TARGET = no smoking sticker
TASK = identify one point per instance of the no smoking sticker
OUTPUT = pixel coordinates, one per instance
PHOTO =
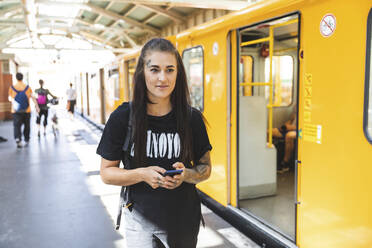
(328, 25)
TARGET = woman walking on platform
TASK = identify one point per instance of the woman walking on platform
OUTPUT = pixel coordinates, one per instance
(42, 100)
(167, 134)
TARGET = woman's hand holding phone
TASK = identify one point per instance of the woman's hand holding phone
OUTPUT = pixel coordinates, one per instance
(152, 175)
(172, 182)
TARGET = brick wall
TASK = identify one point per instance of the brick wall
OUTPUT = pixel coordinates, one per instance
(5, 83)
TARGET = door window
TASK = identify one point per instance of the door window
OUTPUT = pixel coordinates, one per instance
(282, 78)
(193, 62)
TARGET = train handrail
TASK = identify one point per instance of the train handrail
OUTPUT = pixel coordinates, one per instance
(270, 39)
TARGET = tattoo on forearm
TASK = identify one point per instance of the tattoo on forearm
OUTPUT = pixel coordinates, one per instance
(201, 170)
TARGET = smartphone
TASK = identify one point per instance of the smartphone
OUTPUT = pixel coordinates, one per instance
(172, 172)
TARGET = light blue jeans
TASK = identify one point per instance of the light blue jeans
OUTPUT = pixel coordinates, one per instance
(140, 233)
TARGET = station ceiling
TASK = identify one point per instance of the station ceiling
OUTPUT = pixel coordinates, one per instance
(118, 25)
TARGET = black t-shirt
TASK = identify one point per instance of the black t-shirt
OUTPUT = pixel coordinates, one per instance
(177, 209)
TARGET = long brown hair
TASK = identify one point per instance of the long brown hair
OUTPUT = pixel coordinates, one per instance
(180, 100)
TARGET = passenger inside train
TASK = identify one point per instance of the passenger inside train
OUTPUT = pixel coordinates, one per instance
(285, 135)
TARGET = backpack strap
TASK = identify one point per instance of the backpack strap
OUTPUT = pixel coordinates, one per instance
(125, 200)
(129, 136)
(17, 91)
(14, 89)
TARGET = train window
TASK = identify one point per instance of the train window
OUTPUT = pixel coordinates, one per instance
(282, 78)
(368, 82)
(131, 70)
(114, 78)
(194, 65)
(117, 86)
(246, 74)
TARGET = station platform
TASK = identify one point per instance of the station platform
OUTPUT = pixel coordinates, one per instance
(51, 194)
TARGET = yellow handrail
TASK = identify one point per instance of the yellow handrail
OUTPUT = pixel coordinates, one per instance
(271, 51)
(254, 41)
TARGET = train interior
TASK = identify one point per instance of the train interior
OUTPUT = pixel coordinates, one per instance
(266, 190)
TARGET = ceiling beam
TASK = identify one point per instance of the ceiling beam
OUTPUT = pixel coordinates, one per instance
(88, 26)
(98, 18)
(129, 11)
(134, 7)
(54, 18)
(62, 4)
(12, 21)
(20, 35)
(114, 50)
(150, 18)
(160, 11)
(10, 9)
(78, 16)
(116, 17)
(103, 28)
(65, 28)
(130, 40)
(29, 9)
(77, 34)
(202, 4)
(13, 34)
(117, 21)
(97, 38)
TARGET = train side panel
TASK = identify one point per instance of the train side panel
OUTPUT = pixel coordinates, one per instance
(215, 94)
(333, 176)
(335, 209)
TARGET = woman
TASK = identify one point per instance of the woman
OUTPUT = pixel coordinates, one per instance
(42, 100)
(168, 134)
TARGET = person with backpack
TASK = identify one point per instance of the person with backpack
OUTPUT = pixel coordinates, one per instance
(19, 95)
(42, 101)
(156, 133)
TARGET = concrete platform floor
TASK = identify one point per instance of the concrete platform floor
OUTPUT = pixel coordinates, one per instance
(51, 194)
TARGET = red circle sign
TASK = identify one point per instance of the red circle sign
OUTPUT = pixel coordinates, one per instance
(328, 25)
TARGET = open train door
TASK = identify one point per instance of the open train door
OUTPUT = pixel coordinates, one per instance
(264, 72)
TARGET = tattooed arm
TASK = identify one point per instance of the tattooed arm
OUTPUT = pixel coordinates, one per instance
(197, 174)
(201, 171)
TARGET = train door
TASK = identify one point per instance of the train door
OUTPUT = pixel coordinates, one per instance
(102, 94)
(267, 122)
(85, 93)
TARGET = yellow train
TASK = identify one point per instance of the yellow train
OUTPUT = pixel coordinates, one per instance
(248, 71)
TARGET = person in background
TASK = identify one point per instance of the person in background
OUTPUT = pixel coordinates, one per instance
(168, 134)
(19, 95)
(71, 100)
(42, 101)
(288, 131)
